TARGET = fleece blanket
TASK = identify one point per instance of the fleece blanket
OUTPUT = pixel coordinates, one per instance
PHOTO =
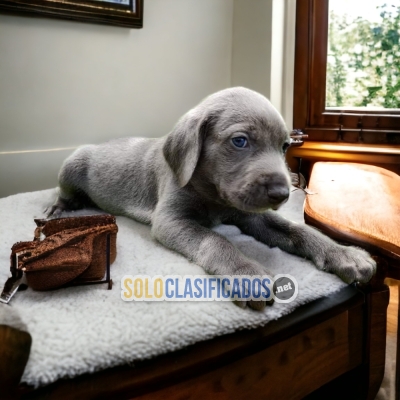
(89, 328)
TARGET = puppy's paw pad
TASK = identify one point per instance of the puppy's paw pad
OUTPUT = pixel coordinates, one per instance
(239, 303)
(256, 305)
(259, 305)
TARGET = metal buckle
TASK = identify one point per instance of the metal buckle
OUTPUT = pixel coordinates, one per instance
(10, 287)
(12, 284)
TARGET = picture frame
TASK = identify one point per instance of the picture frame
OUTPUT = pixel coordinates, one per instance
(125, 13)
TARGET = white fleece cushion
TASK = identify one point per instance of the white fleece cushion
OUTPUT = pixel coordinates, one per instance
(89, 328)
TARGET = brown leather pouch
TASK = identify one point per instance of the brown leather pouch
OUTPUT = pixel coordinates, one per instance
(65, 251)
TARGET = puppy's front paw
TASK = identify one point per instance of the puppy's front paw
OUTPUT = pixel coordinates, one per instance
(350, 264)
(253, 270)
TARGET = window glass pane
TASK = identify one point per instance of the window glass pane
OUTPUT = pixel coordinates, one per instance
(363, 68)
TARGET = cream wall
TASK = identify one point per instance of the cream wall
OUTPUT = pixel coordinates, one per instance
(263, 50)
(63, 84)
(251, 55)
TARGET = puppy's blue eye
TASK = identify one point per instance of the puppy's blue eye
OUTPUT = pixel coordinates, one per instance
(240, 141)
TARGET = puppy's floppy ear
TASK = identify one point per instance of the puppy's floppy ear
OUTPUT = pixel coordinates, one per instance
(183, 145)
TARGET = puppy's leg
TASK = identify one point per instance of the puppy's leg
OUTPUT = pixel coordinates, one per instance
(349, 263)
(72, 183)
(206, 248)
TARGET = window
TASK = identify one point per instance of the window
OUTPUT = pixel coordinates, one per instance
(338, 95)
(363, 63)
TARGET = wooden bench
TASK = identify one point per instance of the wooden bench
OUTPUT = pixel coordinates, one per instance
(317, 350)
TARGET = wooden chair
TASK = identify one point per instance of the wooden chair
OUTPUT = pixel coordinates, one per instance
(359, 204)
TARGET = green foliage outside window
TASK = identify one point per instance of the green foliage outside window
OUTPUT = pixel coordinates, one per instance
(364, 60)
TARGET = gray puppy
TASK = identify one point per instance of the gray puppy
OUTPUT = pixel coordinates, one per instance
(224, 162)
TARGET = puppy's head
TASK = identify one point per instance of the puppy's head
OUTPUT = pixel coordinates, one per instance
(231, 148)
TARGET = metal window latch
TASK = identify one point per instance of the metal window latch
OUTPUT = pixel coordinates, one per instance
(297, 137)
(298, 181)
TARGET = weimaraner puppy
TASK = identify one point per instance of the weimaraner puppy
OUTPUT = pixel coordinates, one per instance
(224, 162)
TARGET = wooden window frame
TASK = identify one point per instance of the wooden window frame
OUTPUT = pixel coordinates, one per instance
(309, 111)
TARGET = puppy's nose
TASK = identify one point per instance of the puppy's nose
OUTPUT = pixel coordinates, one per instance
(277, 193)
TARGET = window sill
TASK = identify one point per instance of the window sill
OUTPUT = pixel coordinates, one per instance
(362, 153)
